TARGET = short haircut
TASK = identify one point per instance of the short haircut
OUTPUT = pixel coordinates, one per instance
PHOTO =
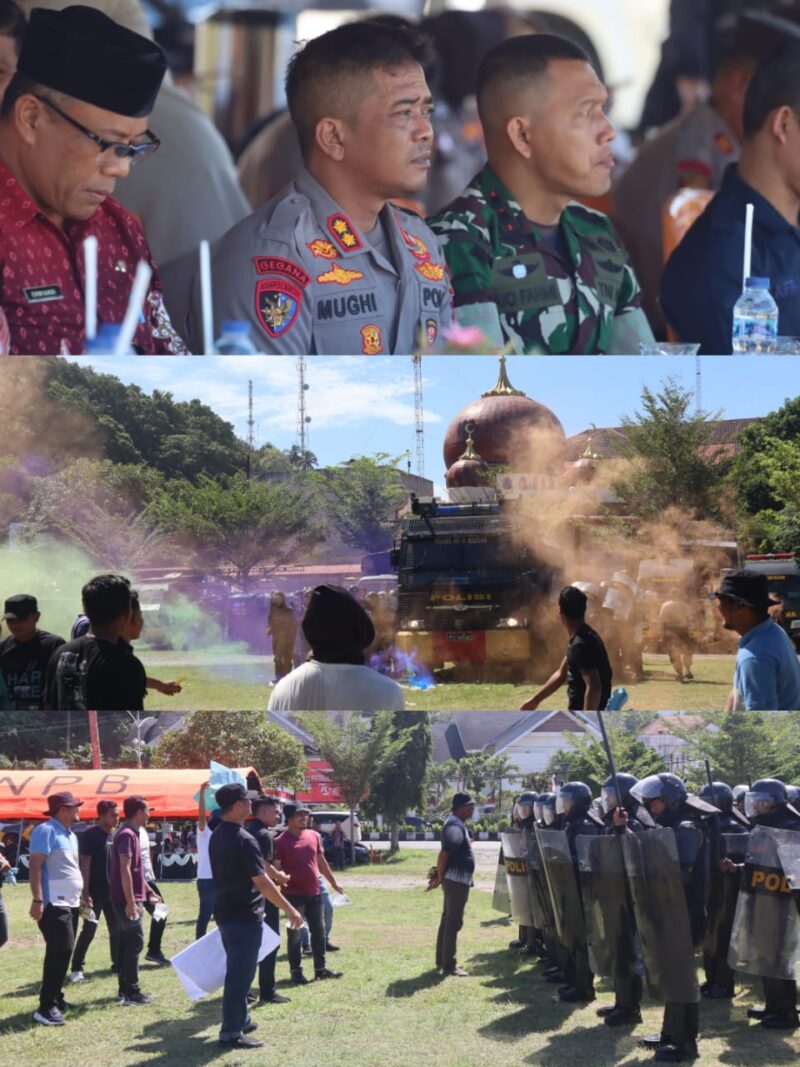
(22, 85)
(519, 61)
(775, 84)
(12, 23)
(572, 603)
(105, 598)
(270, 802)
(133, 805)
(136, 607)
(320, 74)
(104, 806)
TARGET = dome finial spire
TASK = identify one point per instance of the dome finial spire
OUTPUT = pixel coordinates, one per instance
(503, 386)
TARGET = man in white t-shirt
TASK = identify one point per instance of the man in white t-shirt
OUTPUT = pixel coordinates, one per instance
(335, 678)
(56, 885)
(205, 881)
(151, 902)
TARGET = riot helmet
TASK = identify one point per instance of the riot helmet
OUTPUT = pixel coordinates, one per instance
(764, 796)
(573, 800)
(668, 788)
(523, 807)
(719, 794)
(548, 808)
(739, 792)
(793, 795)
(608, 792)
(537, 808)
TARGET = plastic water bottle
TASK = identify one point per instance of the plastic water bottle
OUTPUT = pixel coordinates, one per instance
(755, 318)
(104, 341)
(235, 339)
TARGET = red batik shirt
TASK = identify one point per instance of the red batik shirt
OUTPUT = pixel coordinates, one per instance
(42, 278)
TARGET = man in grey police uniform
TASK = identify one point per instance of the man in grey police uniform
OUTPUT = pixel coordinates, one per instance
(691, 152)
(329, 265)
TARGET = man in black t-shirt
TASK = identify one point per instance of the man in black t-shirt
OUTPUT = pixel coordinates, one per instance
(240, 884)
(585, 668)
(266, 816)
(98, 671)
(24, 655)
(94, 848)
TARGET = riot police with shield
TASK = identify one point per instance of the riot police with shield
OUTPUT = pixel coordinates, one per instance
(727, 840)
(739, 793)
(529, 941)
(614, 905)
(574, 804)
(766, 933)
(666, 869)
(546, 818)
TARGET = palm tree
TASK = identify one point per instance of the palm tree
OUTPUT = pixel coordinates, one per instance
(440, 775)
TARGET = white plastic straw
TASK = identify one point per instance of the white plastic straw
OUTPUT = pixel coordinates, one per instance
(90, 297)
(206, 299)
(135, 303)
(748, 242)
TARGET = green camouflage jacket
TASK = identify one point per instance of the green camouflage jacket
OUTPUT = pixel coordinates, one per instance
(524, 294)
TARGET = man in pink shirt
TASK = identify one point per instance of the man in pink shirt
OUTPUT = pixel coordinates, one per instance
(299, 853)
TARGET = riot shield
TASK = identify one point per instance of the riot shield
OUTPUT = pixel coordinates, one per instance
(606, 905)
(722, 903)
(790, 861)
(562, 882)
(662, 916)
(517, 875)
(537, 880)
(766, 930)
(501, 901)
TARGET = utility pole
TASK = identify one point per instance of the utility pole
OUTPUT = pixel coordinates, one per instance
(419, 416)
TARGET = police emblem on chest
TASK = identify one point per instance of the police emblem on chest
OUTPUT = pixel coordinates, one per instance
(277, 304)
(371, 342)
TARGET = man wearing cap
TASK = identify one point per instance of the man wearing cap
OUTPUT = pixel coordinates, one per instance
(266, 816)
(455, 866)
(73, 122)
(703, 277)
(299, 853)
(94, 847)
(767, 673)
(56, 886)
(331, 265)
(24, 655)
(241, 885)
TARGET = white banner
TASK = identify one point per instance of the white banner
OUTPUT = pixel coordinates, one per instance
(201, 966)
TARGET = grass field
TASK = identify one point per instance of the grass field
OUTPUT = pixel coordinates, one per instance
(244, 683)
(389, 1009)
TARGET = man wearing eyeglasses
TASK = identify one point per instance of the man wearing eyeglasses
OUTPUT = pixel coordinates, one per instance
(73, 121)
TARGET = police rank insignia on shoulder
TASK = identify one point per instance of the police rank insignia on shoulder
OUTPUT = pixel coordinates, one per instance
(417, 246)
(321, 248)
(341, 230)
(339, 275)
(693, 174)
(371, 341)
(434, 272)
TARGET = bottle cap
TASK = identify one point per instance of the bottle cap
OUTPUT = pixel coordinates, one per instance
(757, 283)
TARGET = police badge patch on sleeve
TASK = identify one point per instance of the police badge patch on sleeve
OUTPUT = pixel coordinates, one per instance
(277, 305)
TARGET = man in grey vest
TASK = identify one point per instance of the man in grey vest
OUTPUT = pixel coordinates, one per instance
(455, 866)
(332, 265)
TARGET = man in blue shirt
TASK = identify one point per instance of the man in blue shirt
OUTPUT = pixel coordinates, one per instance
(703, 278)
(767, 674)
(56, 885)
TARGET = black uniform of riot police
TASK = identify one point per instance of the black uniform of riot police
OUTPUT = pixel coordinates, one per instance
(722, 888)
(579, 821)
(529, 941)
(780, 995)
(627, 983)
(545, 816)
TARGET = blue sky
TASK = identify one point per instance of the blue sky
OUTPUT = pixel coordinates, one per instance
(359, 406)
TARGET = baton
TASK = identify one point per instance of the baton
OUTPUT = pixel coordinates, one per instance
(708, 775)
(610, 758)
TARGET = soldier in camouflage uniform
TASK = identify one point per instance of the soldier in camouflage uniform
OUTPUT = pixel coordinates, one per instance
(535, 271)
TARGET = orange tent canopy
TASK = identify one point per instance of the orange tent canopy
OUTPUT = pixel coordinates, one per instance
(170, 793)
